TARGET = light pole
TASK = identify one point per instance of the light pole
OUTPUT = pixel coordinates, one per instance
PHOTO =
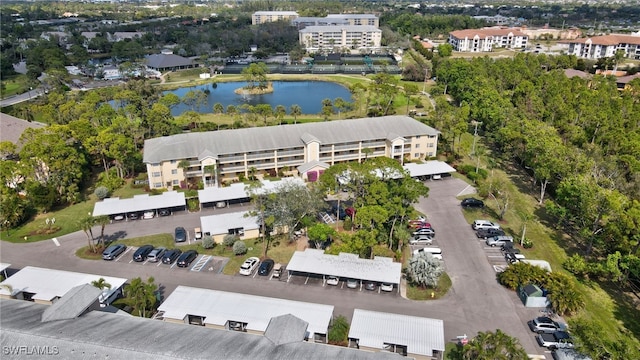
(475, 136)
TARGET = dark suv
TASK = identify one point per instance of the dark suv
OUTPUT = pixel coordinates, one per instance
(472, 202)
(170, 256)
(142, 252)
(181, 234)
(487, 233)
(186, 258)
(113, 251)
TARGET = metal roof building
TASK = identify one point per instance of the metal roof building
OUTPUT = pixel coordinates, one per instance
(238, 223)
(408, 335)
(111, 206)
(48, 285)
(313, 261)
(106, 335)
(428, 168)
(221, 309)
(238, 191)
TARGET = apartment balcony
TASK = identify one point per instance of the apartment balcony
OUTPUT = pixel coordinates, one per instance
(193, 173)
(290, 162)
(227, 169)
(299, 152)
(265, 155)
(233, 158)
(346, 147)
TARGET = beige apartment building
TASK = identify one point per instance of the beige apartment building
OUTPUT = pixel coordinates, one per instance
(484, 40)
(261, 17)
(605, 46)
(218, 156)
(340, 36)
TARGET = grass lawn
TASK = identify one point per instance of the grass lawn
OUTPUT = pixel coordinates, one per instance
(16, 84)
(419, 293)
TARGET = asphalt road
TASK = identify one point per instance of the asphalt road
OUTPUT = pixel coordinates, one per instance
(476, 302)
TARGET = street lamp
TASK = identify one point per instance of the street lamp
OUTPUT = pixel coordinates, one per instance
(475, 135)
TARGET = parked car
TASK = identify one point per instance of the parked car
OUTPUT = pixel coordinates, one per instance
(544, 324)
(498, 240)
(133, 216)
(419, 224)
(472, 202)
(487, 233)
(568, 354)
(434, 251)
(352, 283)
(249, 265)
(156, 254)
(113, 251)
(180, 234)
(436, 177)
(333, 280)
(386, 287)
(197, 233)
(170, 256)
(164, 212)
(512, 257)
(484, 224)
(370, 285)
(421, 240)
(425, 231)
(265, 267)
(187, 258)
(142, 252)
(117, 217)
(277, 270)
(556, 340)
(148, 215)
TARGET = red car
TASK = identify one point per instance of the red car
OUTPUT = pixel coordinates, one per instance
(419, 224)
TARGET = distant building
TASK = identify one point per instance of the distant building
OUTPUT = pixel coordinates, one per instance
(356, 19)
(11, 128)
(261, 17)
(340, 36)
(605, 46)
(484, 40)
(168, 62)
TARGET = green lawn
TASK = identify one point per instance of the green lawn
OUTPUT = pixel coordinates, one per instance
(13, 85)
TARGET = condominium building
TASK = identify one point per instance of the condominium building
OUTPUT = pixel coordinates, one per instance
(218, 156)
(484, 40)
(261, 17)
(605, 46)
(356, 19)
(340, 36)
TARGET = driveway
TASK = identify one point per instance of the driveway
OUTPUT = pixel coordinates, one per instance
(475, 303)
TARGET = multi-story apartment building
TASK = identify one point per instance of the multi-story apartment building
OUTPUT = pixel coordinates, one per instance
(340, 36)
(605, 46)
(261, 17)
(212, 157)
(484, 40)
(356, 19)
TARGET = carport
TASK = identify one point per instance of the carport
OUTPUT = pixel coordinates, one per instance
(3, 269)
(429, 168)
(236, 193)
(344, 265)
(238, 223)
(111, 206)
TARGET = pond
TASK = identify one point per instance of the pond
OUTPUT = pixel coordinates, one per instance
(306, 94)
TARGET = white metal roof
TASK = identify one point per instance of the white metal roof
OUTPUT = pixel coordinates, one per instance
(218, 307)
(239, 190)
(420, 335)
(4, 266)
(220, 224)
(110, 206)
(314, 261)
(540, 263)
(431, 167)
(47, 284)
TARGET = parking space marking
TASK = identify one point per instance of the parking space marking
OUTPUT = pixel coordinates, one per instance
(495, 256)
(307, 279)
(201, 263)
(174, 264)
(126, 251)
(55, 241)
(500, 268)
(159, 263)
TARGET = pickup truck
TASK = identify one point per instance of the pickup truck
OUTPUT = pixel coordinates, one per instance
(556, 340)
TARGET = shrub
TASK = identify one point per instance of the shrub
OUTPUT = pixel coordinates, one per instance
(339, 331)
(193, 204)
(229, 240)
(101, 192)
(207, 242)
(521, 274)
(527, 244)
(239, 247)
(576, 265)
(347, 224)
(110, 180)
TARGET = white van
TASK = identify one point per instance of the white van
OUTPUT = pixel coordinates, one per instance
(434, 251)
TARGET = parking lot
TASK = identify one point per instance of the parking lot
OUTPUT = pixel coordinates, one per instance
(203, 263)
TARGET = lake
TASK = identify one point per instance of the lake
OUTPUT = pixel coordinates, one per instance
(306, 94)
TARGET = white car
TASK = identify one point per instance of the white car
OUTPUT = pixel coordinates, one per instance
(386, 287)
(484, 224)
(148, 215)
(421, 240)
(333, 280)
(249, 265)
(425, 231)
(352, 283)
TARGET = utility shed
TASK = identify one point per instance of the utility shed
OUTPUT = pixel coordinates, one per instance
(532, 296)
(417, 337)
(237, 223)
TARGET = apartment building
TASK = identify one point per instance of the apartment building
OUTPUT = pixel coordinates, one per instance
(340, 36)
(356, 19)
(261, 17)
(605, 46)
(218, 156)
(484, 40)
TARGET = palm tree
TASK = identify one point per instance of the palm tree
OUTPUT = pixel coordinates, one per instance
(86, 224)
(102, 220)
(101, 284)
(295, 110)
(425, 270)
(494, 346)
(141, 296)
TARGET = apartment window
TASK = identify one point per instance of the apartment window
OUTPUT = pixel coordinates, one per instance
(155, 164)
(173, 161)
(417, 136)
(431, 145)
(157, 185)
(430, 154)
(416, 155)
(417, 146)
(156, 174)
(174, 171)
(176, 182)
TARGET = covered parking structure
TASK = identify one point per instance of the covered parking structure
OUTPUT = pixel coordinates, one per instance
(168, 200)
(344, 265)
(240, 223)
(428, 169)
(237, 193)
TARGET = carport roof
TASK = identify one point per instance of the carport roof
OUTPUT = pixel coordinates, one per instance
(429, 168)
(4, 266)
(47, 284)
(218, 307)
(110, 206)
(239, 191)
(420, 335)
(314, 261)
(220, 224)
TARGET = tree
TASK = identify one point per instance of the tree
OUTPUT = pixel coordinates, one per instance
(264, 110)
(229, 240)
(280, 112)
(425, 270)
(327, 109)
(101, 284)
(101, 192)
(295, 111)
(218, 108)
(195, 99)
(86, 224)
(256, 75)
(141, 296)
(239, 247)
(339, 331)
(207, 242)
(409, 90)
(102, 220)
(320, 233)
(494, 346)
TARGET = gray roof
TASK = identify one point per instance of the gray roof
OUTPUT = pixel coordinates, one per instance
(12, 127)
(334, 28)
(142, 202)
(239, 190)
(428, 168)
(100, 335)
(312, 164)
(314, 261)
(221, 223)
(420, 335)
(161, 61)
(238, 141)
(286, 329)
(73, 303)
